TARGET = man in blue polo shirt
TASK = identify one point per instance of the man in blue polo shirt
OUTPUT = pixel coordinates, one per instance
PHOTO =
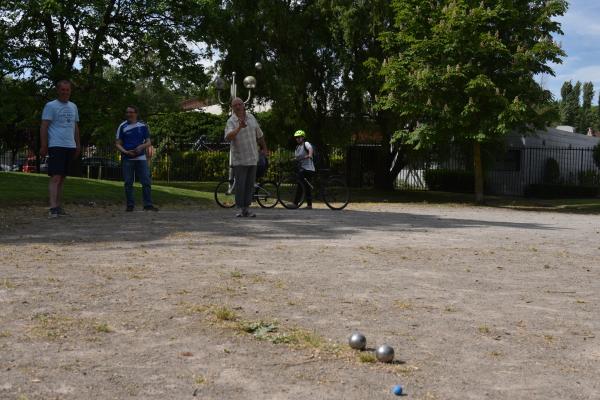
(59, 139)
(133, 138)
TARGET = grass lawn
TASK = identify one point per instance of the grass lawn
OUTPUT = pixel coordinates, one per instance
(24, 189)
(29, 189)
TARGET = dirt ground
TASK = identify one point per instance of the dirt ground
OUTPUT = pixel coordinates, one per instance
(478, 303)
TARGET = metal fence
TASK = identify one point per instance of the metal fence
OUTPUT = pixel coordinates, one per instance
(514, 170)
(509, 174)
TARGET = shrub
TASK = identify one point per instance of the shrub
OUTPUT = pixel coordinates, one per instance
(450, 180)
(551, 171)
(552, 191)
(192, 165)
(589, 178)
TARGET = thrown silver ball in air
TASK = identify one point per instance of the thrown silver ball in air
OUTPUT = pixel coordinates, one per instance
(258, 66)
(249, 82)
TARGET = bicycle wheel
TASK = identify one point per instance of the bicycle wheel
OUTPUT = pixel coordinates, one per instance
(336, 193)
(290, 192)
(266, 194)
(225, 194)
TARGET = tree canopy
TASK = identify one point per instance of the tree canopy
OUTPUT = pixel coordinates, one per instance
(463, 70)
(419, 72)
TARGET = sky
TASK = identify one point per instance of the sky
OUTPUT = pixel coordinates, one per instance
(581, 42)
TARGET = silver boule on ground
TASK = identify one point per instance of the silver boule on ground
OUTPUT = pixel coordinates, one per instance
(357, 341)
(385, 353)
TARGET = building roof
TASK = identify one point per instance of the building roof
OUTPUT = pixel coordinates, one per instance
(552, 137)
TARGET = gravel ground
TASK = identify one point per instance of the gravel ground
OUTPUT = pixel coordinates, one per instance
(478, 303)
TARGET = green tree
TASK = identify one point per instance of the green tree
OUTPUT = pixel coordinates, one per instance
(586, 116)
(322, 82)
(567, 113)
(178, 130)
(20, 104)
(463, 70)
(573, 105)
(598, 113)
(113, 50)
(300, 72)
(356, 27)
(48, 38)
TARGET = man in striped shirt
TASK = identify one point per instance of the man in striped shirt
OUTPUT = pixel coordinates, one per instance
(245, 135)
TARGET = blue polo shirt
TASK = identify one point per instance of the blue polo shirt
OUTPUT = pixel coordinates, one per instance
(63, 117)
(132, 136)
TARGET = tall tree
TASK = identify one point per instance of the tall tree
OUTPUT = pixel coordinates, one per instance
(356, 27)
(598, 113)
(463, 70)
(300, 70)
(573, 105)
(20, 106)
(88, 40)
(565, 110)
(588, 95)
(586, 117)
(52, 39)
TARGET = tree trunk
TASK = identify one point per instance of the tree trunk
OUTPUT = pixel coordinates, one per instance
(389, 164)
(478, 168)
(390, 161)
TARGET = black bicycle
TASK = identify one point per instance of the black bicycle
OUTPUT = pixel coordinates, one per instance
(332, 189)
(265, 193)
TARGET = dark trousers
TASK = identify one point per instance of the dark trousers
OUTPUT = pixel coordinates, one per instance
(245, 176)
(305, 175)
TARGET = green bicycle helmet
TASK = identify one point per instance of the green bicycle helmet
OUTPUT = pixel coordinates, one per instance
(299, 133)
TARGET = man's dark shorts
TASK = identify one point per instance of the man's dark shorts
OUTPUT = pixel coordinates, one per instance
(59, 160)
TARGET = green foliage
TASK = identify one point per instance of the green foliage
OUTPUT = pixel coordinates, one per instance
(20, 109)
(192, 165)
(46, 39)
(551, 171)
(570, 108)
(464, 69)
(177, 131)
(589, 178)
(449, 180)
(557, 190)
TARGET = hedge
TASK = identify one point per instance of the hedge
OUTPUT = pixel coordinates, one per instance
(553, 191)
(447, 180)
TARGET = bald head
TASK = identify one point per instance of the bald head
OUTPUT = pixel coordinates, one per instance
(237, 105)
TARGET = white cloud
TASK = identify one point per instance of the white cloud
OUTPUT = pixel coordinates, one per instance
(581, 22)
(590, 73)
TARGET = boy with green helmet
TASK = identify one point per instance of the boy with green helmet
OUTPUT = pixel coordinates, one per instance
(306, 167)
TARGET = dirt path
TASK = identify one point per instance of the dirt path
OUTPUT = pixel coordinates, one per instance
(184, 304)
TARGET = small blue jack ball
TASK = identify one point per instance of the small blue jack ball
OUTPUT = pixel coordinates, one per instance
(357, 341)
(397, 390)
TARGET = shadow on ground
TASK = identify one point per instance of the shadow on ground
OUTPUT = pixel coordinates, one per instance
(110, 225)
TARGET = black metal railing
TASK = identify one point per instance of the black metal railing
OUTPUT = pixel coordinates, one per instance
(511, 173)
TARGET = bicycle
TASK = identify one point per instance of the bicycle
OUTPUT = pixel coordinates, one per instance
(265, 193)
(331, 188)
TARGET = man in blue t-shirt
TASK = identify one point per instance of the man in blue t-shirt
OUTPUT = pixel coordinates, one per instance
(59, 139)
(133, 138)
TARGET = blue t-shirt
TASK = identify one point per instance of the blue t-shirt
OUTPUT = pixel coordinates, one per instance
(63, 117)
(132, 135)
